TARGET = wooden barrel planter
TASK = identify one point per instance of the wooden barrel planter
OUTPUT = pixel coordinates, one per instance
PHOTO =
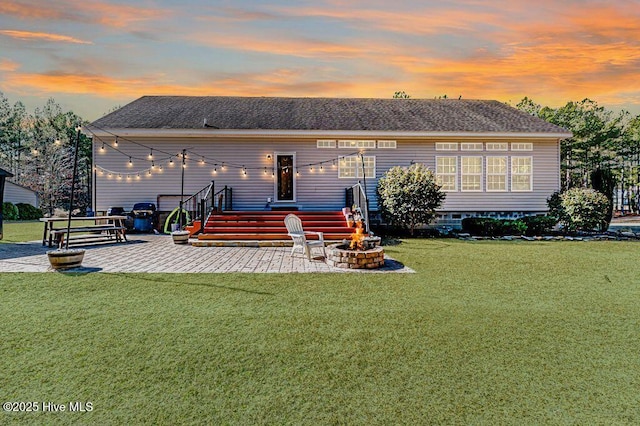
(180, 237)
(66, 259)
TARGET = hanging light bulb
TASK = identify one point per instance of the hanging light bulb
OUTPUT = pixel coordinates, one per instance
(171, 162)
(215, 171)
(116, 142)
(202, 161)
(130, 162)
(222, 165)
(102, 147)
(151, 153)
(152, 164)
(265, 170)
(244, 170)
(321, 168)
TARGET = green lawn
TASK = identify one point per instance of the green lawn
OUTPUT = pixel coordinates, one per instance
(483, 333)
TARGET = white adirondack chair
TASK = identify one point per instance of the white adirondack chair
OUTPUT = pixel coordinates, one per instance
(299, 237)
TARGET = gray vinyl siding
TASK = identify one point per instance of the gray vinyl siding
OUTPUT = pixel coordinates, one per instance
(15, 194)
(315, 191)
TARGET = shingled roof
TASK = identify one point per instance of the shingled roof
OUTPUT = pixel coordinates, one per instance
(339, 114)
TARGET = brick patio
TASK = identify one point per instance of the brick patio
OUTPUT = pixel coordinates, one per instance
(157, 253)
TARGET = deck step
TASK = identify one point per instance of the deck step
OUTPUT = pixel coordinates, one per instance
(269, 225)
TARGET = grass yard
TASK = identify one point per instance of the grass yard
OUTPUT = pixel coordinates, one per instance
(483, 333)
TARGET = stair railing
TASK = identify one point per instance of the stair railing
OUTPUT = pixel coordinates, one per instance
(200, 204)
(356, 198)
(223, 199)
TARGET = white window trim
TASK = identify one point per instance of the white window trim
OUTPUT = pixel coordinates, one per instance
(466, 146)
(454, 174)
(506, 173)
(325, 144)
(358, 167)
(528, 146)
(481, 174)
(439, 146)
(521, 174)
(359, 144)
(385, 144)
(490, 148)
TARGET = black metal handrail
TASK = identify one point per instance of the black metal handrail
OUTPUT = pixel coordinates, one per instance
(200, 204)
(223, 199)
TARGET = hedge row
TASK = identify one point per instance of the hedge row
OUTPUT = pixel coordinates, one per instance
(20, 211)
(489, 227)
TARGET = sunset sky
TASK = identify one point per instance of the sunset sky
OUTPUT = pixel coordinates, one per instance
(92, 56)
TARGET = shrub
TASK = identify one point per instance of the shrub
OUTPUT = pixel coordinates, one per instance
(512, 227)
(489, 227)
(10, 211)
(584, 209)
(481, 226)
(539, 225)
(28, 212)
(409, 196)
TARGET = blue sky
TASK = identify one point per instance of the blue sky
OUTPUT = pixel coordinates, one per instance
(92, 56)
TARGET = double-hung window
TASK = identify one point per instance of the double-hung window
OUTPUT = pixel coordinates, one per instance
(447, 172)
(354, 166)
(471, 174)
(496, 174)
(522, 173)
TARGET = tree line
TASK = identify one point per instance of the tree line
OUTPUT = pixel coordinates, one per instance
(604, 152)
(37, 148)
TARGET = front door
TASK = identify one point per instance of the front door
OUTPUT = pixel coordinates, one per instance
(285, 177)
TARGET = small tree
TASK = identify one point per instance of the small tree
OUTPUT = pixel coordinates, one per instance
(583, 209)
(409, 196)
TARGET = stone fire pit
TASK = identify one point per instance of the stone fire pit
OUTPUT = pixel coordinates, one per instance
(341, 256)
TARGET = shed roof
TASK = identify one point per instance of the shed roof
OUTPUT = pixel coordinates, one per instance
(331, 114)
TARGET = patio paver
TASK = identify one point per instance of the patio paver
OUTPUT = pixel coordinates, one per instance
(157, 253)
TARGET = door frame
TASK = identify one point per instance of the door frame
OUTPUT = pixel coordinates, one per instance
(276, 174)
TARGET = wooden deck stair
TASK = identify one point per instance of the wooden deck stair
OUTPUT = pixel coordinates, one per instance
(269, 225)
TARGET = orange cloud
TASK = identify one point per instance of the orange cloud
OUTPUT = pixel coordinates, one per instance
(278, 83)
(8, 65)
(305, 48)
(30, 35)
(97, 12)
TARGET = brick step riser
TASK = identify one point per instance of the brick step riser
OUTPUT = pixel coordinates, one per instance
(269, 231)
(259, 237)
(231, 224)
(275, 219)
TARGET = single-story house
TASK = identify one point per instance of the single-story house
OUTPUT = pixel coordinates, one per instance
(301, 153)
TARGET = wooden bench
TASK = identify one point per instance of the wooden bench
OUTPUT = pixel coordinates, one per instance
(91, 233)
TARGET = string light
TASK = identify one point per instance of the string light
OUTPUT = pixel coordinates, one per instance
(203, 160)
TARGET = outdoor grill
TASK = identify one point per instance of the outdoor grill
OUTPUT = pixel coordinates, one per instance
(145, 217)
